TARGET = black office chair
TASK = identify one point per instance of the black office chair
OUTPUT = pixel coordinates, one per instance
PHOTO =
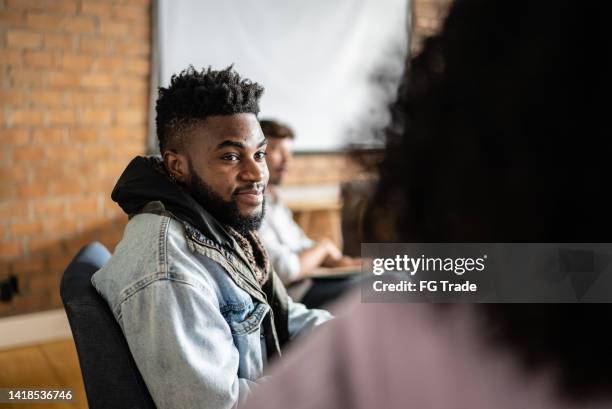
(111, 377)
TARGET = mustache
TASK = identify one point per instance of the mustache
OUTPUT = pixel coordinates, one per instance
(259, 187)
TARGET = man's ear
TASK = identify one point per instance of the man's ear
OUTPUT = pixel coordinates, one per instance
(177, 165)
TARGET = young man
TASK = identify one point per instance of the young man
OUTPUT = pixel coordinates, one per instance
(190, 283)
(294, 255)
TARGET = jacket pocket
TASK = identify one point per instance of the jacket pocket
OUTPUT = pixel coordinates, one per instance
(251, 323)
(249, 340)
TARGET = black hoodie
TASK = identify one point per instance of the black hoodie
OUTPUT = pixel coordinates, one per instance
(146, 180)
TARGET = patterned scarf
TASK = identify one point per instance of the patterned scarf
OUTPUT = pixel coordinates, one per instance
(255, 252)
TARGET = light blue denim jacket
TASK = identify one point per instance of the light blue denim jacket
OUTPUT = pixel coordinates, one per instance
(196, 336)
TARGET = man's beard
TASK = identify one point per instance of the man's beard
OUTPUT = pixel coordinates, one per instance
(226, 212)
(275, 180)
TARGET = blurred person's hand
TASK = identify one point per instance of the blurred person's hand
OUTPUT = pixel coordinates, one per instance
(333, 253)
(324, 251)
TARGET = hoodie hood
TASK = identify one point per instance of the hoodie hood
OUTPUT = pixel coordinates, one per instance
(146, 180)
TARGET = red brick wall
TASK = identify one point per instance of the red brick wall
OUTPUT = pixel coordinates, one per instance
(324, 168)
(74, 103)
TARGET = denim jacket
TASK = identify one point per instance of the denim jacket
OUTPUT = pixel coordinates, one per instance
(195, 324)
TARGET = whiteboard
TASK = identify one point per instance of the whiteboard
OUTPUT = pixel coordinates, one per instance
(315, 58)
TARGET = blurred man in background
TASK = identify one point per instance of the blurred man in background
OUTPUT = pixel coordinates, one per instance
(295, 256)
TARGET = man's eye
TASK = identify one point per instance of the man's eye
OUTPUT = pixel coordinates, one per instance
(230, 157)
(260, 155)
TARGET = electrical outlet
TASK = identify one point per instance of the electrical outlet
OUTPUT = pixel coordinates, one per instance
(8, 288)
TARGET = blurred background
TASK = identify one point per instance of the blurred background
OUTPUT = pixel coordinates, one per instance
(78, 81)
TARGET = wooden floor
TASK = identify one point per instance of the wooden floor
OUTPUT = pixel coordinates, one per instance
(49, 365)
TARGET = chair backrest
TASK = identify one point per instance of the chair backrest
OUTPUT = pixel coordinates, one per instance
(111, 377)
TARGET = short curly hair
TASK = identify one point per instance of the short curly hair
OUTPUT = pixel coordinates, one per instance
(195, 95)
(275, 129)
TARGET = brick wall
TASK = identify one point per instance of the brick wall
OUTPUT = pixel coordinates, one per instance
(325, 168)
(74, 103)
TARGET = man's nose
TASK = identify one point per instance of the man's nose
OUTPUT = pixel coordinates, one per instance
(253, 171)
(286, 157)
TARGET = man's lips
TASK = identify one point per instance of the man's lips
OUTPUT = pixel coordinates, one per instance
(252, 197)
(248, 192)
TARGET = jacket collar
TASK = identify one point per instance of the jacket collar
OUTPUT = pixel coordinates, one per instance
(145, 180)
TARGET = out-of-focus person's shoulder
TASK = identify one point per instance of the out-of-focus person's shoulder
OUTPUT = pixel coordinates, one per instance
(404, 355)
(362, 349)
